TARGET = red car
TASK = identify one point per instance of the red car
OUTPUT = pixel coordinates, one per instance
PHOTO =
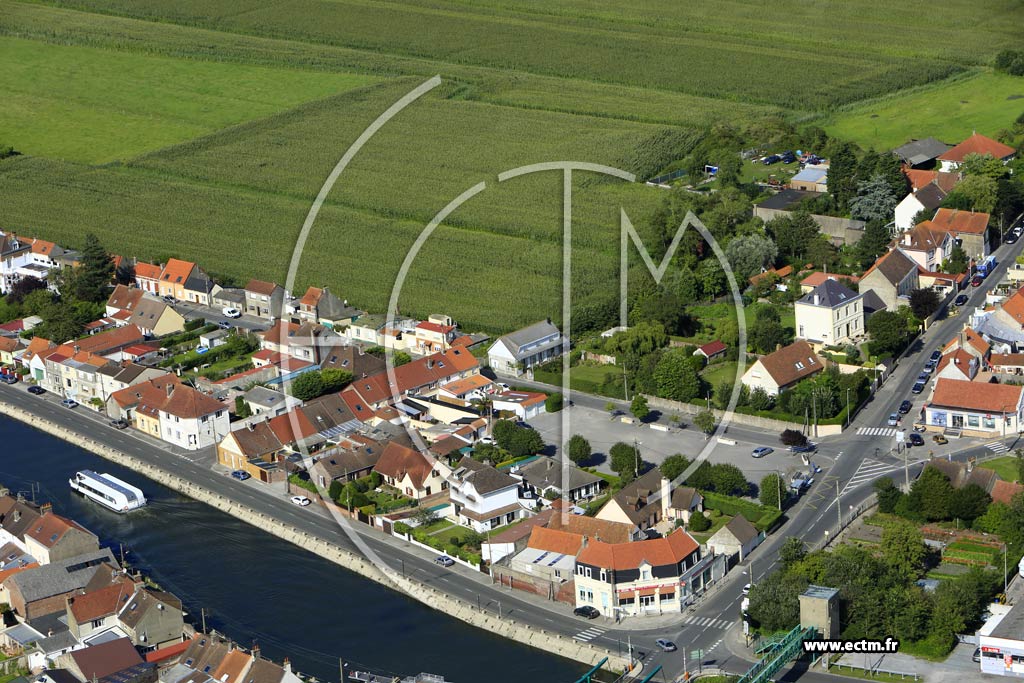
(977, 280)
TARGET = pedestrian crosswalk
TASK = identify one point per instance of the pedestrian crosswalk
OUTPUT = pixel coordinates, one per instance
(876, 431)
(997, 447)
(708, 622)
(869, 470)
(588, 635)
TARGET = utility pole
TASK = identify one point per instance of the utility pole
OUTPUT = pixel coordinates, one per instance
(847, 407)
(906, 471)
(341, 670)
(814, 405)
(778, 478)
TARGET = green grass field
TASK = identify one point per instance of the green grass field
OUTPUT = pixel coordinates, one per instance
(224, 119)
(1005, 467)
(985, 102)
(93, 105)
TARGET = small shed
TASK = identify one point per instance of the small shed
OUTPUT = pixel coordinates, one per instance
(712, 350)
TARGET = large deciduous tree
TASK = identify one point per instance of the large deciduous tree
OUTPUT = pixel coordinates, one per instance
(924, 302)
(748, 254)
(875, 200)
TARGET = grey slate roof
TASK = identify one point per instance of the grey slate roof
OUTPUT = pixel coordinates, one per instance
(515, 341)
(485, 479)
(148, 312)
(546, 472)
(262, 396)
(830, 294)
(61, 577)
(872, 302)
(921, 151)
(741, 529)
(894, 266)
(930, 196)
(330, 307)
(788, 198)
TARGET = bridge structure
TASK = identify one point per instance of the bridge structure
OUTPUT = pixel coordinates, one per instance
(777, 652)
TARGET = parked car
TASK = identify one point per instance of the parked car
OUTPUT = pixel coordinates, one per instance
(1011, 238)
(940, 439)
(976, 657)
(224, 325)
(241, 475)
(119, 424)
(920, 428)
(788, 158)
(977, 280)
(69, 403)
(905, 407)
(923, 377)
(762, 451)
(915, 439)
(169, 299)
(894, 419)
(936, 354)
(444, 561)
(486, 440)
(918, 387)
(11, 379)
(960, 300)
(36, 389)
(665, 645)
(231, 312)
(806, 448)
(746, 589)
(929, 367)
(585, 611)
(771, 159)
(301, 500)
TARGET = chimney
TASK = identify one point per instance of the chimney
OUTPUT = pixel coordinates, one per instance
(249, 426)
(666, 496)
(287, 665)
(906, 239)
(45, 509)
(970, 465)
(817, 300)
(585, 541)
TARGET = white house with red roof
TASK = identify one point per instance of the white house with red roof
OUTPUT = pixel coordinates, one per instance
(433, 335)
(525, 404)
(641, 578)
(975, 408)
(976, 144)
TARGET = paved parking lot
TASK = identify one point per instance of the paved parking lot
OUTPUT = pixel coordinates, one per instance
(602, 432)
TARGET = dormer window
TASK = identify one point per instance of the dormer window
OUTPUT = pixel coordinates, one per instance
(799, 365)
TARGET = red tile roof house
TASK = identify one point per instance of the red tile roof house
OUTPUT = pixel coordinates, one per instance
(975, 408)
(782, 369)
(414, 474)
(641, 578)
(970, 227)
(712, 350)
(976, 144)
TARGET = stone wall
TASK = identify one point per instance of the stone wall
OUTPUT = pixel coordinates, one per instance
(765, 423)
(510, 628)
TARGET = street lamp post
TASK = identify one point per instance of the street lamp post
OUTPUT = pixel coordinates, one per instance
(847, 407)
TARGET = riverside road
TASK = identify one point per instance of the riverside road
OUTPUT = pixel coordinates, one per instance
(859, 457)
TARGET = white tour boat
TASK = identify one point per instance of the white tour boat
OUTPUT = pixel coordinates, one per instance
(107, 490)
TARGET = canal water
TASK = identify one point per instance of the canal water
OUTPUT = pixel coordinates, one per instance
(257, 588)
